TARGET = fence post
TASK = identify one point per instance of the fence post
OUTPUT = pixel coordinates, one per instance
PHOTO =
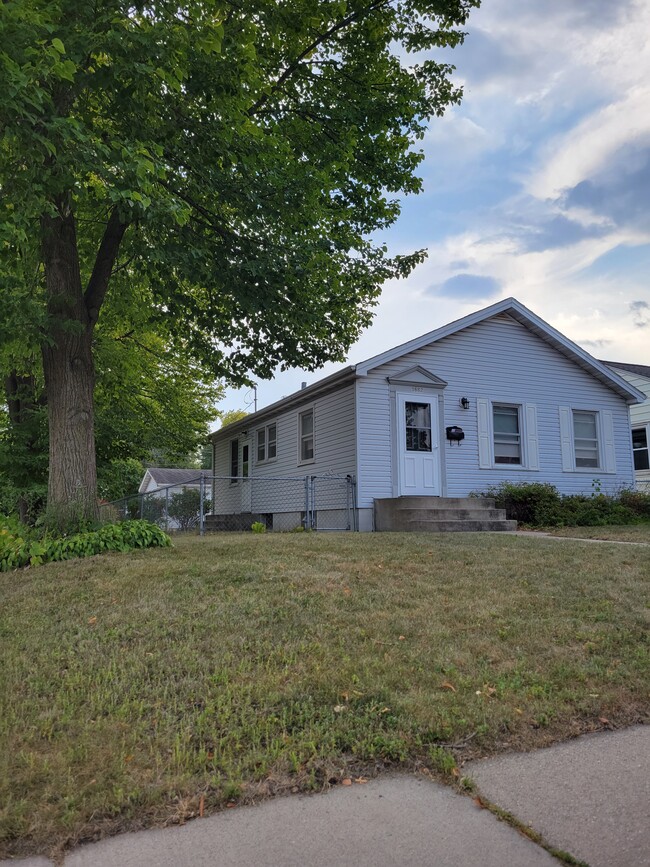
(307, 523)
(167, 509)
(348, 491)
(201, 514)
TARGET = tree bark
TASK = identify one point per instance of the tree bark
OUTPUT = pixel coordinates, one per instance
(68, 362)
(69, 378)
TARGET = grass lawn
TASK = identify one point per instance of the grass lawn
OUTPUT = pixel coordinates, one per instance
(146, 688)
(623, 533)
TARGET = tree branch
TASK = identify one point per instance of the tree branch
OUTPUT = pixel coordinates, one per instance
(320, 40)
(106, 256)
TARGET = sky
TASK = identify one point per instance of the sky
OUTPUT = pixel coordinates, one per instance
(537, 186)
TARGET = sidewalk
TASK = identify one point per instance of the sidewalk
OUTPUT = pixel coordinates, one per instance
(589, 797)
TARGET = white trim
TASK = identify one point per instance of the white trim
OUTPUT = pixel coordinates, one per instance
(527, 318)
(520, 433)
(645, 427)
(566, 438)
(532, 436)
(265, 460)
(606, 441)
(608, 446)
(432, 459)
(484, 427)
(528, 435)
(303, 411)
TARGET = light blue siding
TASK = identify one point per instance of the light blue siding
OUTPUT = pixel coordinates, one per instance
(334, 440)
(495, 360)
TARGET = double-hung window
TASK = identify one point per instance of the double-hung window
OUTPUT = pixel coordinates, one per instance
(640, 448)
(585, 438)
(267, 439)
(507, 434)
(306, 435)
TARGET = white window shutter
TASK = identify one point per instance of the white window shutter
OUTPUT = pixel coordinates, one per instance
(566, 439)
(484, 450)
(609, 448)
(532, 437)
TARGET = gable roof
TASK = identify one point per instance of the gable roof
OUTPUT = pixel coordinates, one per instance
(164, 476)
(509, 306)
(639, 369)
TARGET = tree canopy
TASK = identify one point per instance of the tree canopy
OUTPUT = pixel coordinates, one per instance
(233, 158)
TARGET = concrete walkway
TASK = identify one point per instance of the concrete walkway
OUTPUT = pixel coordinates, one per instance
(542, 534)
(588, 797)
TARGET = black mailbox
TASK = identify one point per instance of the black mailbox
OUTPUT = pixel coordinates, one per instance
(455, 434)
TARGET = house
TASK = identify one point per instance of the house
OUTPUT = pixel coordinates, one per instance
(159, 478)
(638, 375)
(497, 395)
(170, 497)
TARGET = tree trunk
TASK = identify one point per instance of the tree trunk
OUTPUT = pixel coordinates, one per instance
(69, 378)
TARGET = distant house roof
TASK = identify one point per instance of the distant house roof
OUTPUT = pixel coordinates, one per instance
(640, 369)
(164, 476)
(510, 306)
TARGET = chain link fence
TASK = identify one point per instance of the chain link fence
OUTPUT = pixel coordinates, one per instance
(212, 503)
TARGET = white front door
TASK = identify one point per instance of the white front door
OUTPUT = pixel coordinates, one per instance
(418, 445)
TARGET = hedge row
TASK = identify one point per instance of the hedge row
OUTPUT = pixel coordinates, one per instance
(18, 547)
(539, 504)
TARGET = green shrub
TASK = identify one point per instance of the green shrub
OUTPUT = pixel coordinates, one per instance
(636, 501)
(533, 503)
(184, 508)
(21, 547)
(538, 504)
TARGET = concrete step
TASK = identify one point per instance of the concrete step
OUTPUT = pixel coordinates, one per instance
(450, 514)
(440, 514)
(472, 503)
(426, 526)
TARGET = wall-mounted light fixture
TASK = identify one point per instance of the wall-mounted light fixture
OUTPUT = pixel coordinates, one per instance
(464, 402)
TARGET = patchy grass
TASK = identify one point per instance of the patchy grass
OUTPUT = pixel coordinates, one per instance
(146, 688)
(615, 533)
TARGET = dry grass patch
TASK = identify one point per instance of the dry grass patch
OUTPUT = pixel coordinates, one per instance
(138, 687)
(614, 533)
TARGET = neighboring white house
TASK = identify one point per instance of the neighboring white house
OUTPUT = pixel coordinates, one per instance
(498, 395)
(159, 478)
(157, 491)
(638, 375)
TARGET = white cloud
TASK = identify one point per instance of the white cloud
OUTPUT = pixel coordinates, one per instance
(582, 152)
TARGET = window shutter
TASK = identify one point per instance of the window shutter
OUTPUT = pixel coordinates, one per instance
(484, 450)
(609, 448)
(532, 437)
(566, 439)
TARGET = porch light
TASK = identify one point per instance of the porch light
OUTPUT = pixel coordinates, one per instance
(464, 402)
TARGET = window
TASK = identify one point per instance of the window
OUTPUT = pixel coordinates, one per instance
(234, 460)
(507, 434)
(244, 461)
(640, 448)
(585, 439)
(266, 443)
(418, 426)
(306, 432)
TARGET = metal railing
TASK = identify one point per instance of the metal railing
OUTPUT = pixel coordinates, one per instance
(235, 503)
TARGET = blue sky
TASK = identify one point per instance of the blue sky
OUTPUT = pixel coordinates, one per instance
(537, 186)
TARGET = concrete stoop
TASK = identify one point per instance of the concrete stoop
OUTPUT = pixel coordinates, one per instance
(440, 515)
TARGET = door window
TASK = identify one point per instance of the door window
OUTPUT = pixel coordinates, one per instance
(418, 426)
